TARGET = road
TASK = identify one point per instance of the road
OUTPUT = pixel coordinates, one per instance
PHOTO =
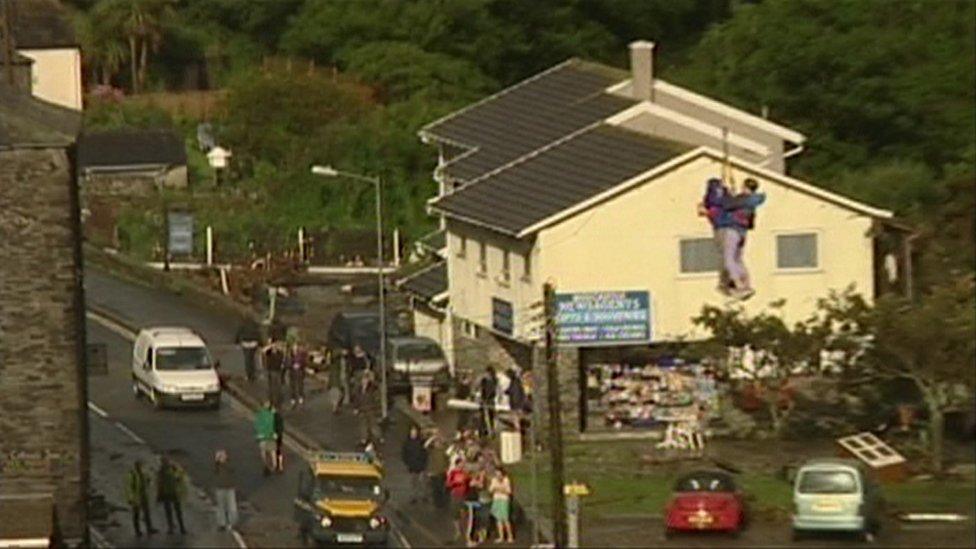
(189, 436)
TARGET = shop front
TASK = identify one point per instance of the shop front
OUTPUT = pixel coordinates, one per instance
(627, 382)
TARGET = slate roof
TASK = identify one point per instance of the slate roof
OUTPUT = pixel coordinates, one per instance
(26, 121)
(435, 241)
(561, 176)
(427, 283)
(527, 116)
(127, 148)
(40, 24)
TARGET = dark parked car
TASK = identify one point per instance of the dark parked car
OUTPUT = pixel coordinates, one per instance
(351, 328)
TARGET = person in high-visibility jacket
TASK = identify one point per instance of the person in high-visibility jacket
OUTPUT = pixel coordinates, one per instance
(137, 483)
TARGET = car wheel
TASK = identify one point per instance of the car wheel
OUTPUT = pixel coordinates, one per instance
(668, 533)
(136, 391)
(797, 535)
(867, 536)
(216, 404)
(157, 402)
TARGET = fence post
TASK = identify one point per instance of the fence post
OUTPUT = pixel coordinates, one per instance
(210, 248)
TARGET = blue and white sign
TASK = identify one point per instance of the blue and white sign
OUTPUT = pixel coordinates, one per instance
(604, 318)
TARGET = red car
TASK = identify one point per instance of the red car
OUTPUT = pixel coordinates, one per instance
(705, 501)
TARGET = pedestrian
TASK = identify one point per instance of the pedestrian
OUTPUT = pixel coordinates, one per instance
(170, 490)
(368, 403)
(296, 373)
(479, 483)
(359, 363)
(274, 357)
(137, 496)
(456, 483)
(338, 379)
(472, 504)
(488, 386)
(279, 433)
(248, 338)
(415, 457)
(437, 467)
(462, 391)
(224, 492)
(264, 429)
(501, 505)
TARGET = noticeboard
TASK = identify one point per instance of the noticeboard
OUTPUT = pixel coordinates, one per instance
(604, 318)
(180, 232)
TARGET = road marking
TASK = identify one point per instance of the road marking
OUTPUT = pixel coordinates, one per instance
(112, 325)
(98, 539)
(240, 407)
(94, 408)
(128, 432)
(238, 538)
(400, 537)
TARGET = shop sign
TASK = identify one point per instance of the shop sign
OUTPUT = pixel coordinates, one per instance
(501, 316)
(180, 232)
(604, 318)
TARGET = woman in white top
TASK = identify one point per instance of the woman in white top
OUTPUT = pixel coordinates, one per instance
(501, 507)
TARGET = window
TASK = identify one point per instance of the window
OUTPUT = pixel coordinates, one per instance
(796, 251)
(527, 267)
(462, 246)
(506, 266)
(699, 255)
(482, 258)
(469, 329)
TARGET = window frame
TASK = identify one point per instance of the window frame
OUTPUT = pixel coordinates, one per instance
(698, 274)
(506, 272)
(818, 251)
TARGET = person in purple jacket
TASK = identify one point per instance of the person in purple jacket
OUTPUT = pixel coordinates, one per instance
(731, 216)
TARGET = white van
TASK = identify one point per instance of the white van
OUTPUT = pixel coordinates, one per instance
(173, 367)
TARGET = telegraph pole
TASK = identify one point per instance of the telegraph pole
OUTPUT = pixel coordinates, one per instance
(555, 419)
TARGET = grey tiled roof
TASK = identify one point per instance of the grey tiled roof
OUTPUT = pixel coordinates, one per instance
(131, 148)
(26, 121)
(40, 24)
(559, 177)
(528, 116)
(427, 283)
(434, 241)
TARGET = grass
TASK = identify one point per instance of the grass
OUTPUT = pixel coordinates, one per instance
(621, 485)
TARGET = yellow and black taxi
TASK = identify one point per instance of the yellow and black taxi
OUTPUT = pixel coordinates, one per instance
(340, 500)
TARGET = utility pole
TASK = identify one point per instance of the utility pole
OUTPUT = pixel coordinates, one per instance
(555, 419)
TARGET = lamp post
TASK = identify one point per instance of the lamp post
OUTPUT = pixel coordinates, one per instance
(329, 171)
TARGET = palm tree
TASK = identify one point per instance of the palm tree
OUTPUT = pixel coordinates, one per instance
(141, 24)
(103, 49)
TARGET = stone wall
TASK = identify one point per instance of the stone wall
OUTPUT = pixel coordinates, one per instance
(43, 413)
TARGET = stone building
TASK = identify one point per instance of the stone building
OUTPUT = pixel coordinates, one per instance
(43, 412)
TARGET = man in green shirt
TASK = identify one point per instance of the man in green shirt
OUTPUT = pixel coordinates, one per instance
(265, 433)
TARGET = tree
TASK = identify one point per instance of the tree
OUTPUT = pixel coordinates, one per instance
(866, 80)
(104, 49)
(141, 23)
(777, 352)
(928, 342)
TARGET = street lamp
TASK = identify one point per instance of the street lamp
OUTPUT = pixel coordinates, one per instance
(329, 171)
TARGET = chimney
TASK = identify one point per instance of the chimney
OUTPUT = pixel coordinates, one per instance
(642, 69)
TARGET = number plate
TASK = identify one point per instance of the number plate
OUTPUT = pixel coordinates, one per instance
(826, 507)
(192, 396)
(349, 538)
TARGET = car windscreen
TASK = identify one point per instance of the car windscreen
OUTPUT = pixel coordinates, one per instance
(182, 358)
(827, 482)
(347, 487)
(419, 351)
(705, 483)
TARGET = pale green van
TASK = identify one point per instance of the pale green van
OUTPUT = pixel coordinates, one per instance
(835, 495)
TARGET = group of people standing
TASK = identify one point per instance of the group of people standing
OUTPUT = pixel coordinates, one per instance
(284, 361)
(353, 382)
(170, 483)
(465, 474)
